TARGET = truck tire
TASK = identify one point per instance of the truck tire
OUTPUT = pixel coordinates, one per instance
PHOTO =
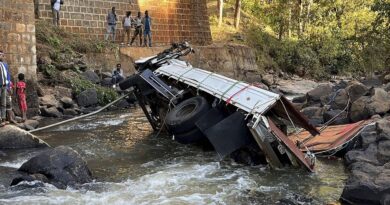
(182, 118)
(190, 137)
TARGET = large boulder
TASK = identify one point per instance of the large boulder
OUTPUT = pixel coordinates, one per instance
(356, 90)
(7, 174)
(315, 95)
(380, 102)
(340, 117)
(62, 167)
(61, 92)
(339, 100)
(87, 98)
(12, 137)
(359, 110)
(91, 76)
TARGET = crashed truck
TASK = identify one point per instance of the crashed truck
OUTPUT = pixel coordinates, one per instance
(241, 120)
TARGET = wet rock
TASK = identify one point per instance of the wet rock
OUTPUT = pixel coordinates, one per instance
(342, 117)
(7, 174)
(62, 166)
(30, 178)
(87, 98)
(91, 76)
(67, 102)
(48, 101)
(51, 112)
(322, 90)
(12, 137)
(356, 90)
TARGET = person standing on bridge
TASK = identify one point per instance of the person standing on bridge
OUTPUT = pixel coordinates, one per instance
(147, 22)
(56, 7)
(111, 24)
(138, 29)
(5, 79)
(126, 22)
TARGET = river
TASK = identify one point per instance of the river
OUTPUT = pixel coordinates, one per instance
(133, 166)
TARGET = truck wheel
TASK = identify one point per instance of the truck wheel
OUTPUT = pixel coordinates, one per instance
(190, 137)
(182, 118)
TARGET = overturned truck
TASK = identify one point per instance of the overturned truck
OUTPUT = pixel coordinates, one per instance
(236, 118)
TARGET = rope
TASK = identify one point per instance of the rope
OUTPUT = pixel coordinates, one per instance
(231, 97)
(82, 116)
(223, 94)
(200, 83)
(289, 118)
(178, 79)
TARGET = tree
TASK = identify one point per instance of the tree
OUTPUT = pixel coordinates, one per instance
(237, 12)
(220, 8)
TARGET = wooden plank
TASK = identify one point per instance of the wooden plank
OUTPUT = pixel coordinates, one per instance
(266, 147)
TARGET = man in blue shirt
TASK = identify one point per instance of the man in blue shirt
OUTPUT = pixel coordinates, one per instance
(111, 24)
(147, 22)
(5, 79)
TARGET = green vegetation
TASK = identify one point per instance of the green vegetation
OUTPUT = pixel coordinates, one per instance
(63, 48)
(105, 95)
(314, 38)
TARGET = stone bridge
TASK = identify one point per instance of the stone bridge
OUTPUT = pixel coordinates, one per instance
(173, 20)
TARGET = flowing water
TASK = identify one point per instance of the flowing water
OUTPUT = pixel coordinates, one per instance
(133, 166)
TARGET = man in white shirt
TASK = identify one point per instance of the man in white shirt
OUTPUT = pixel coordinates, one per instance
(56, 6)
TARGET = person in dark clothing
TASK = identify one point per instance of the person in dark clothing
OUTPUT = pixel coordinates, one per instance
(137, 29)
(147, 22)
(117, 75)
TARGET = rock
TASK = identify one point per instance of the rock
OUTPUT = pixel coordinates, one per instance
(48, 101)
(311, 112)
(367, 138)
(384, 151)
(379, 102)
(122, 104)
(356, 90)
(268, 79)
(67, 102)
(32, 123)
(387, 87)
(383, 128)
(296, 86)
(70, 111)
(342, 117)
(106, 82)
(30, 178)
(300, 99)
(359, 110)
(61, 92)
(87, 98)
(339, 100)
(51, 112)
(316, 121)
(298, 106)
(386, 79)
(91, 76)
(7, 174)
(12, 137)
(62, 166)
(106, 75)
(324, 89)
(369, 155)
(373, 81)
